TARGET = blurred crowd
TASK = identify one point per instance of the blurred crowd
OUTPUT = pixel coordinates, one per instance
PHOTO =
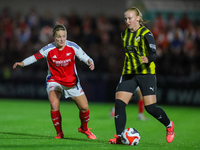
(22, 35)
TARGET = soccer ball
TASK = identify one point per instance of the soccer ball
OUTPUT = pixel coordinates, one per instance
(130, 136)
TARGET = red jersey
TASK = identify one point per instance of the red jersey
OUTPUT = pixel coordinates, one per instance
(61, 63)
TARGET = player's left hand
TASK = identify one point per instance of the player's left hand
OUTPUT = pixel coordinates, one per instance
(91, 64)
(144, 60)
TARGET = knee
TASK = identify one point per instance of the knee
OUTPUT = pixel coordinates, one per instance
(54, 99)
(84, 108)
(119, 103)
(55, 105)
(150, 108)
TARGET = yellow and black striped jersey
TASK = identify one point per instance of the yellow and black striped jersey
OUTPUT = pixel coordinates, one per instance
(137, 44)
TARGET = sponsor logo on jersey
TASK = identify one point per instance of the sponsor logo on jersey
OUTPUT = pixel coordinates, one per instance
(62, 62)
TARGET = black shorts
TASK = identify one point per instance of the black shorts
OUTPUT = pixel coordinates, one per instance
(146, 82)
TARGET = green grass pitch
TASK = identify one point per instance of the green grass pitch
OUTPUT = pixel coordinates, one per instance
(26, 124)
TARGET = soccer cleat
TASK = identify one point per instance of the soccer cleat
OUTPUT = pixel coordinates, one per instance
(88, 133)
(116, 140)
(59, 136)
(170, 133)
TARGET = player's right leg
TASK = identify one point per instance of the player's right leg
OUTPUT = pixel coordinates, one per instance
(122, 99)
(54, 94)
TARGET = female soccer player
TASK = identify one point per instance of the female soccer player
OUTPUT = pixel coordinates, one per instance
(138, 70)
(62, 77)
(140, 105)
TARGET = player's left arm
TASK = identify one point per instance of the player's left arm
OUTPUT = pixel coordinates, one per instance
(85, 58)
(91, 64)
(151, 47)
(82, 56)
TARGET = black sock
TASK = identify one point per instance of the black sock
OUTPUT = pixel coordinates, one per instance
(120, 116)
(158, 113)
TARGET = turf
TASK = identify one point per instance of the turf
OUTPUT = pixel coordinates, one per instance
(26, 124)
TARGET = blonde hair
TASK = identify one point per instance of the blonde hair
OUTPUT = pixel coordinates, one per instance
(58, 27)
(138, 13)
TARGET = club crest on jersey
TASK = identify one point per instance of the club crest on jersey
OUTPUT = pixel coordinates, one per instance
(67, 54)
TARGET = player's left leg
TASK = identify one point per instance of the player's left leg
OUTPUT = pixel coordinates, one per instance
(84, 115)
(149, 88)
(158, 113)
(82, 104)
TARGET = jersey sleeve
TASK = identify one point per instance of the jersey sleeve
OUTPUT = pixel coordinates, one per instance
(29, 60)
(42, 53)
(151, 47)
(32, 59)
(82, 56)
(45, 50)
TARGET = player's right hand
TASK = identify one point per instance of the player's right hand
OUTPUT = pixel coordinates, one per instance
(20, 64)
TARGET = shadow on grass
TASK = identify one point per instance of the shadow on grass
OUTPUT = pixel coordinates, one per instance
(34, 136)
(24, 134)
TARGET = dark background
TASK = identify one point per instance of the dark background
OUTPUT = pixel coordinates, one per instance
(26, 26)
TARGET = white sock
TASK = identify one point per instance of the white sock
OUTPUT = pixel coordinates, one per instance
(140, 114)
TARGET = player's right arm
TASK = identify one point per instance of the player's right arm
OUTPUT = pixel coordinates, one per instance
(42, 53)
(20, 64)
(29, 60)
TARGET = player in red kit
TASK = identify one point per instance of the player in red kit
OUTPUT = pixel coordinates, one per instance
(62, 77)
